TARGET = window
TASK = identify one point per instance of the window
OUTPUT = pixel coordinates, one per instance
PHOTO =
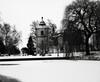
(42, 33)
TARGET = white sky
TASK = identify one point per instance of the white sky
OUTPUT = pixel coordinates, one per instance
(21, 13)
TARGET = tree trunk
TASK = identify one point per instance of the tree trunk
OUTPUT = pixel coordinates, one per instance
(87, 45)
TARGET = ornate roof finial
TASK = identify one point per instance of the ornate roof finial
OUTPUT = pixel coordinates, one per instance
(42, 18)
(42, 22)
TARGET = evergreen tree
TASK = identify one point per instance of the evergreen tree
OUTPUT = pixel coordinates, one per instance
(30, 46)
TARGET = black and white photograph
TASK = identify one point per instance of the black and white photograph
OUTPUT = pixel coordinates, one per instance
(49, 40)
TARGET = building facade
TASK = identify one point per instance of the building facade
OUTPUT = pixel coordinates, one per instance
(42, 39)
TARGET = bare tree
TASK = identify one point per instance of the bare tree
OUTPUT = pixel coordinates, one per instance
(33, 30)
(11, 37)
(52, 27)
(84, 16)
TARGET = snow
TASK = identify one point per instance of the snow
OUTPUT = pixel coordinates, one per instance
(30, 56)
(52, 71)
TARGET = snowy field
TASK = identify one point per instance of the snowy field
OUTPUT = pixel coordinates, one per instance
(52, 71)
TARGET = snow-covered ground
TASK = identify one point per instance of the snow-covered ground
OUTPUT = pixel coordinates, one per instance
(30, 56)
(52, 71)
(97, 54)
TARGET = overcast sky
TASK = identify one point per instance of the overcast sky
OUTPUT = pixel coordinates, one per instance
(21, 13)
